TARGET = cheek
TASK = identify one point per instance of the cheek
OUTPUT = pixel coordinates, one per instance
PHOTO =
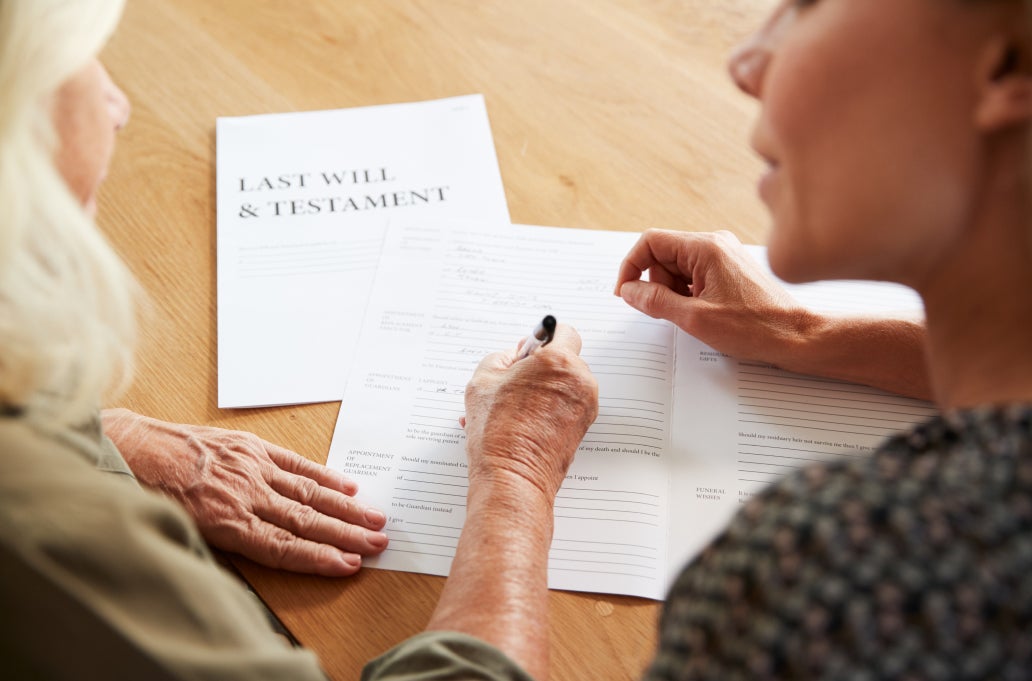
(870, 175)
(87, 143)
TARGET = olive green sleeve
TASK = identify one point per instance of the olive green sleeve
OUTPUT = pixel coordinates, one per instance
(102, 579)
(440, 655)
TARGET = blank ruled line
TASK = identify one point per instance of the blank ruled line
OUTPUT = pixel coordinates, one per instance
(607, 400)
(430, 501)
(646, 437)
(781, 456)
(858, 389)
(663, 377)
(456, 429)
(443, 475)
(602, 553)
(632, 443)
(660, 364)
(773, 473)
(608, 501)
(426, 491)
(605, 572)
(799, 449)
(636, 418)
(422, 553)
(603, 510)
(432, 482)
(420, 543)
(886, 409)
(604, 543)
(846, 400)
(851, 422)
(417, 533)
(827, 430)
(608, 411)
(440, 527)
(607, 520)
(609, 491)
(553, 559)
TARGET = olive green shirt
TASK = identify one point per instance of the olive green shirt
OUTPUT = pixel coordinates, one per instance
(101, 579)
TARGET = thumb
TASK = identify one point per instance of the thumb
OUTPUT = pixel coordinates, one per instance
(653, 299)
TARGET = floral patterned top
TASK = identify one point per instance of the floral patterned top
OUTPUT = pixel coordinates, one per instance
(915, 563)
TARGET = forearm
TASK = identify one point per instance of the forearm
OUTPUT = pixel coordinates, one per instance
(498, 586)
(883, 353)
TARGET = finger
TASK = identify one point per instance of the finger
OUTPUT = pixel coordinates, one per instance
(275, 547)
(674, 281)
(496, 361)
(295, 463)
(565, 339)
(654, 248)
(307, 523)
(326, 501)
(656, 301)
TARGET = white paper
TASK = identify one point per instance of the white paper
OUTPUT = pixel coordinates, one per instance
(670, 412)
(303, 201)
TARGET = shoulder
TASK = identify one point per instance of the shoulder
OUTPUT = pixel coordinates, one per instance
(118, 573)
(55, 487)
(920, 551)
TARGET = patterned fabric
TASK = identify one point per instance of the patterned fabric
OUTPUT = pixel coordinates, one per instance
(915, 563)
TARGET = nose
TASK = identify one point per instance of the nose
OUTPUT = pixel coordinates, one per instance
(118, 106)
(748, 65)
(117, 102)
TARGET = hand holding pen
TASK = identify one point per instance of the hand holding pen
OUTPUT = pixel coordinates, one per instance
(528, 418)
(542, 335)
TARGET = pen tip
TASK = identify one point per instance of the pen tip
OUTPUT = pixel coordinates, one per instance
(549, 323)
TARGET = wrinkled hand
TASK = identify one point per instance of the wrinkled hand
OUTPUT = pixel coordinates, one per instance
(250, 496)
(527, 417)
(708, 284)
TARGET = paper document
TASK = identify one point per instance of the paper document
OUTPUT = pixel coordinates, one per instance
(681, 429)
(303, 200)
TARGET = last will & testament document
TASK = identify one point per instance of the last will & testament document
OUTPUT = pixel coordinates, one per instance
(303, 200)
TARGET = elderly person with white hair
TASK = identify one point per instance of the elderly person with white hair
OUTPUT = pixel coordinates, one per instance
(98, 577)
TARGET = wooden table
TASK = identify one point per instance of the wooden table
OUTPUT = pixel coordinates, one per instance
(613, 114)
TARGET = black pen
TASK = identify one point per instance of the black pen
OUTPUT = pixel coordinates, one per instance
(541, 335)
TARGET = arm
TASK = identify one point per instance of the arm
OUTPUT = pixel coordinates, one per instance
(524, 421)
(497, 589)
(250, 496)
(708, 285)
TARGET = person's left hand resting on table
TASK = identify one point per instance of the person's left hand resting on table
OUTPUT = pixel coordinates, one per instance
(250, 496)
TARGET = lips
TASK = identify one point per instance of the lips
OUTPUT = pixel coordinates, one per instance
(767, 183)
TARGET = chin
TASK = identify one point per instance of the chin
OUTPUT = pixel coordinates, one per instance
(789, 261)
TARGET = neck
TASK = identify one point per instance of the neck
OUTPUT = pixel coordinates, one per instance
(979, 306)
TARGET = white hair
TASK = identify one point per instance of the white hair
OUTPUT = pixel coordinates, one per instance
(67, 322)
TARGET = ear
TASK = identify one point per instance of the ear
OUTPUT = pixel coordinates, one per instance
(1005, 86)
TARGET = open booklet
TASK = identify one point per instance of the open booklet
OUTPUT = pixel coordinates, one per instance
(303, 201)
(684, 434)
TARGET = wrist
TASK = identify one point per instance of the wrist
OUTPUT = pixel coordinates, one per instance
(799, 343)
(508, 489)
(117, 421)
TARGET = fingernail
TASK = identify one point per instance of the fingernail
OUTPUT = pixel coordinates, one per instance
(350, 561)
(375, 517)
(378, 539)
